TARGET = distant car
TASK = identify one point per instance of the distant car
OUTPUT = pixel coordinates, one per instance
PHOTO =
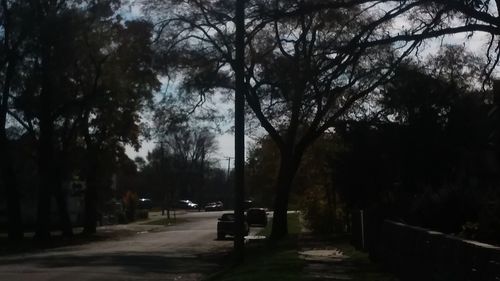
(145, 204)
(226, 226)
(256, 216)
(186, 204)
(247, 204)
(214, 206)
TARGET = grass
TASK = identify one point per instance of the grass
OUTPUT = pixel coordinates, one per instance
(294, 226)
(366, 270)
(266, 261)
(164, 221)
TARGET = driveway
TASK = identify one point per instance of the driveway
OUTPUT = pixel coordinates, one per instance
(187, 251)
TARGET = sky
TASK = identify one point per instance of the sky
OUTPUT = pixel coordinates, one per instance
(226, 149)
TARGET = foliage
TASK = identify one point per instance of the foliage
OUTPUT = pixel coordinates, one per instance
(76, 92)
(426, 157)
(313, 191)
(320, 215)
(299, 78)
(130, 200)
(141, 214)
(260, 171)
(182, 167)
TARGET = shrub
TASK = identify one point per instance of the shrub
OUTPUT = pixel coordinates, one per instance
(130, 200)
(142, 214)
(321, 213)
(121, 217)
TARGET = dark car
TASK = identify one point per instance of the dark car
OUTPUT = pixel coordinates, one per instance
(226, 226)
(256, 216)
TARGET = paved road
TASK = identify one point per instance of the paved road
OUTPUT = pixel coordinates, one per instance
(181, 252)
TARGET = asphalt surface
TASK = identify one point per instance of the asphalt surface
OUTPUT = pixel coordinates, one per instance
(187, 251)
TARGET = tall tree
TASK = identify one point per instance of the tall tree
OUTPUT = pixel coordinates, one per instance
(122, 81)
(300, 77)
(185, 157)
(82, 88)
(13, 37)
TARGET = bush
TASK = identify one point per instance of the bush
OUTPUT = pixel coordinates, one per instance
(488, 226)
(142, 214)
(321, 213)
(130, 200)
(121, 218)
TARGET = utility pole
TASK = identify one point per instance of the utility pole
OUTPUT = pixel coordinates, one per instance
(239, 130)
(228, 166)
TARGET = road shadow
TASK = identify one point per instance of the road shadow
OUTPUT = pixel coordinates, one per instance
(133, 263)
(29, 245)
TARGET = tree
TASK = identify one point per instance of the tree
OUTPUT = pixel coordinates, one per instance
(185, 155)
(122, 80)
(427, 19)
(80, 88)
(425, 156)
(300, 76)
(13, 37)
(184, 126)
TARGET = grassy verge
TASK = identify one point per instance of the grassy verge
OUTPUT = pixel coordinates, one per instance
(294, 226)
(265, 261)
(366, 270)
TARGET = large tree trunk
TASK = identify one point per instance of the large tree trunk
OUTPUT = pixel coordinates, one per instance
(50, 176)
(62, 208)
(50, 181)
(90, 222)
(15, 230)
(46, 180)
(61, 194)
(45, 152)
(289, 163)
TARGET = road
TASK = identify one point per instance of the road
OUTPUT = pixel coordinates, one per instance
(186, 251)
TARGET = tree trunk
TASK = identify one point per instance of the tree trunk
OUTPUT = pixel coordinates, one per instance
(15, 231)
(90, 222)
(45, 187)
(62, 208)
(289, 163)
(61, 195)
(51, 176)
(45, 158)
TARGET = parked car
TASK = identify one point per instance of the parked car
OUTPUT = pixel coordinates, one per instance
(226, 226)
(214, 206)
(186, 204)
(247, 204)
(256, 216)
